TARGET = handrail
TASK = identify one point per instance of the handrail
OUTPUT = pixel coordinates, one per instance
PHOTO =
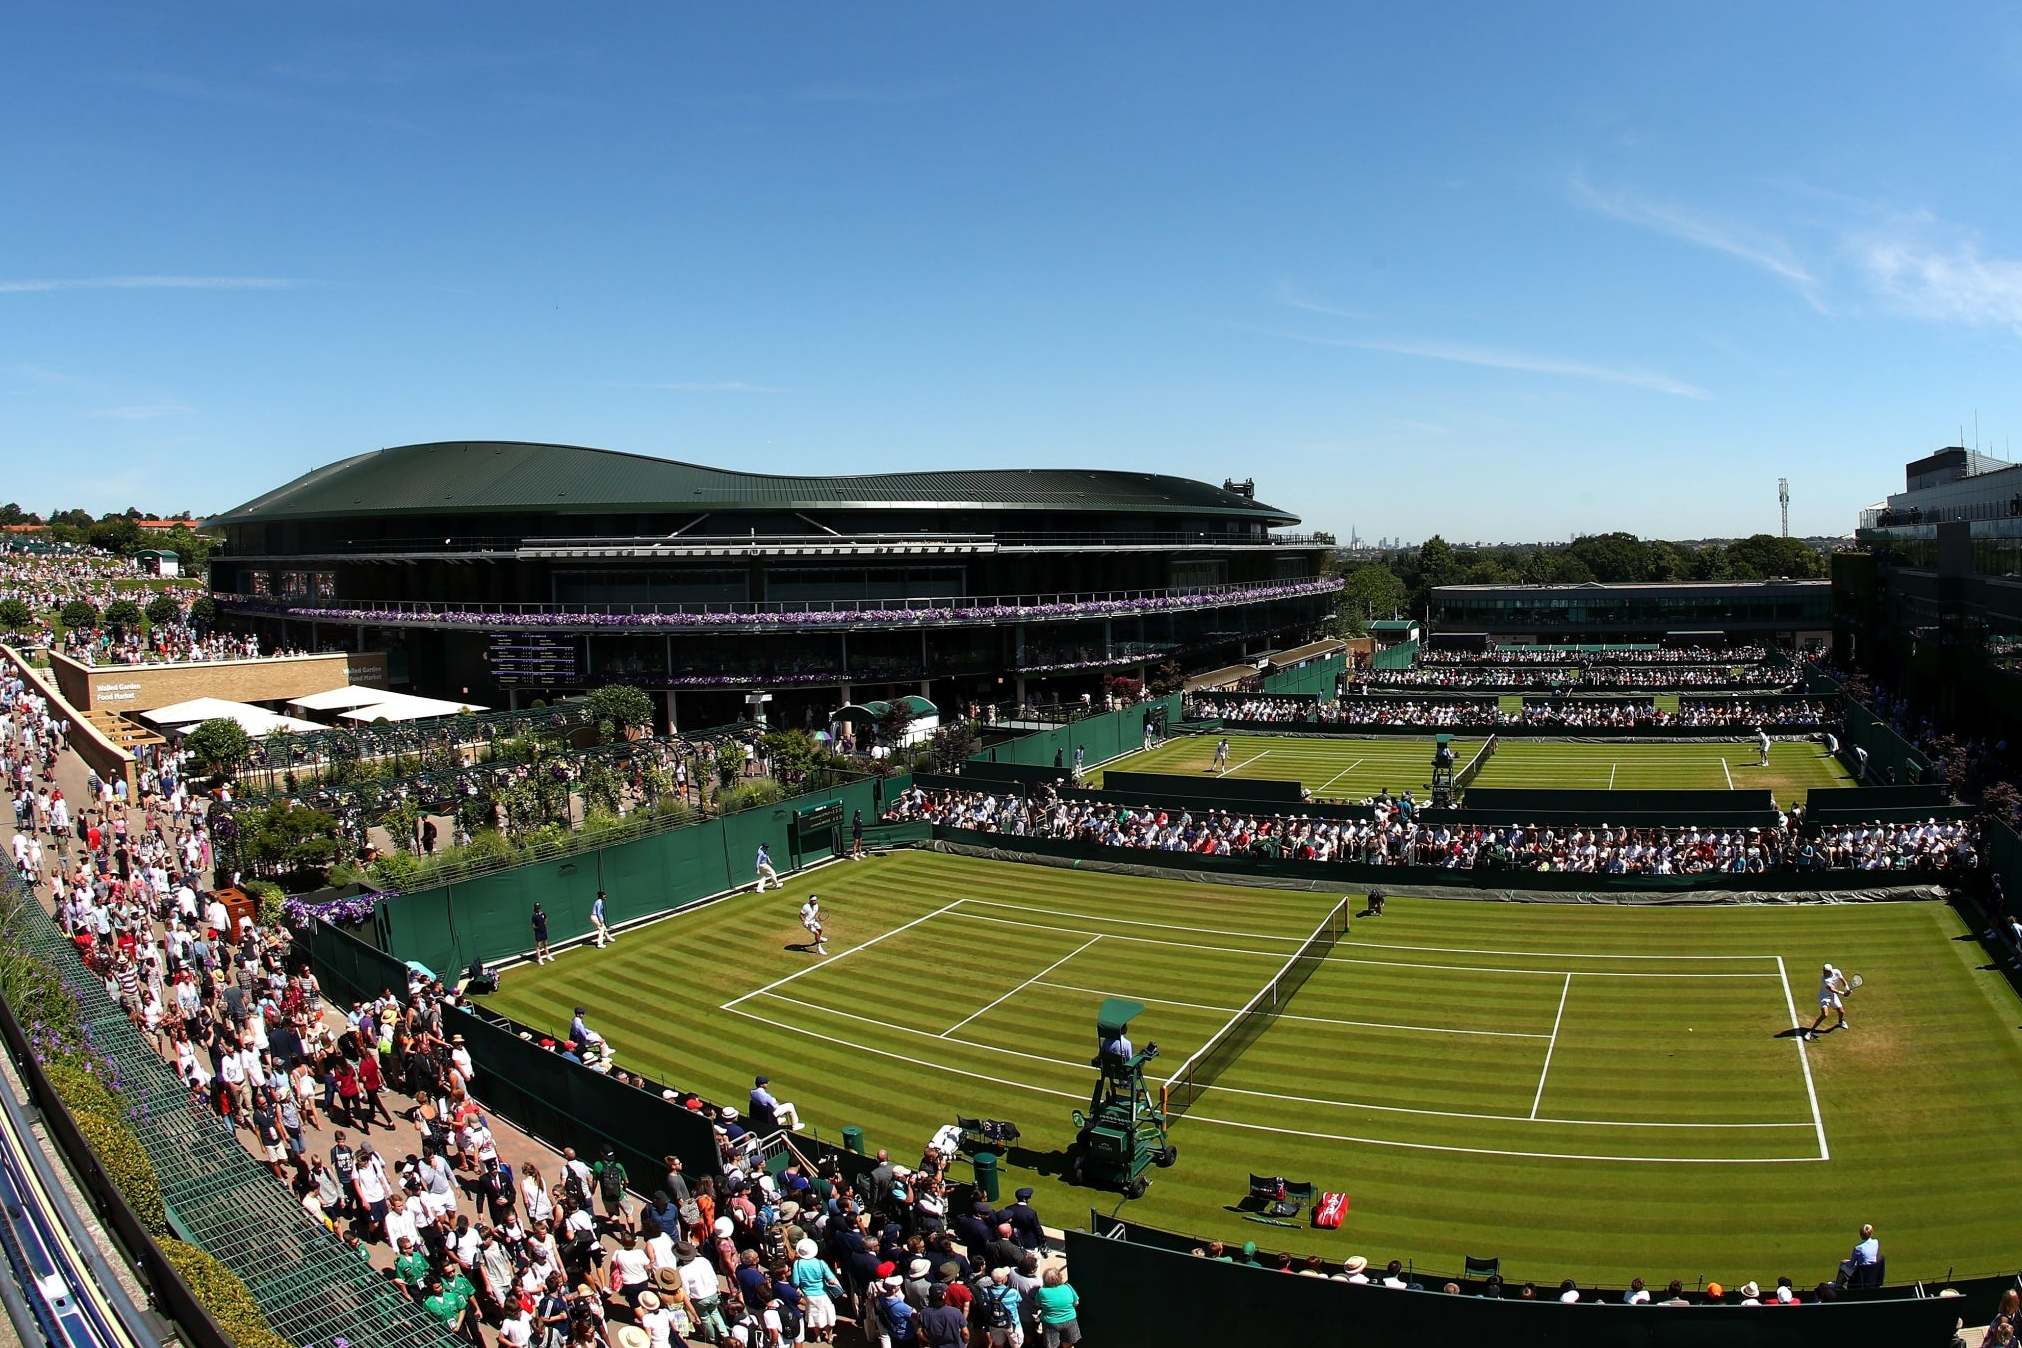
(673, 542)
(935, 609)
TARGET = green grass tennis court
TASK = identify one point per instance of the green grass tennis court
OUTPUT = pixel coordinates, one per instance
(1594, 1092)
(1338, 767)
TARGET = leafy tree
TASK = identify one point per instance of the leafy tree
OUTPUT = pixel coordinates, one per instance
(15, 615)
(796, 755)
(203, 612)
(289, 839)
(11, 513)
(79, 614)
(122, 615)
(1373, 591)
(118, 534)
(193, 550)
(163, 610)
(1766, 556)
(1612, 558)
(895, 723)
(620, 707)
(219, 745)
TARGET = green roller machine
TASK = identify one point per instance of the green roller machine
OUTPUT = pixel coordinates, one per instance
(1123, 1132)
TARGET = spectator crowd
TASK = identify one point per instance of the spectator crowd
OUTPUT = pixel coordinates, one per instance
(1744, 714)
(1395, 834)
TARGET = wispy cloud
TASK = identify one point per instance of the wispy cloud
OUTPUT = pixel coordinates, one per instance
(705, 386)
(42, 284)
(1496, 358)
(1949, 282)
(1292, 297)
(1765, 251)
(143, 411)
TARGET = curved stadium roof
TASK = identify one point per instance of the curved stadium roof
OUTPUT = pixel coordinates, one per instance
(469, 476)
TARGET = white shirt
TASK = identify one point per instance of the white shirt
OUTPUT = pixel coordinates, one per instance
(1828, 983)
(632, 1266)
(401, 1223)
(810, 915)
(698, 1279)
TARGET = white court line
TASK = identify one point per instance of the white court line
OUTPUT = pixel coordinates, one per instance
(729, 1005)
(1611, 775)
(1339, 775)
(1359, 944)
(1729, 775)
(1287, 1015)
(1245, 763)
(1083, 1066)
(1339, 959)
(1552, 1047)
(1271, 1128)
(1804, 1060)
(1022, 986)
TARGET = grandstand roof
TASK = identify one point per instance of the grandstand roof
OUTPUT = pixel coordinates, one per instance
(470, 476)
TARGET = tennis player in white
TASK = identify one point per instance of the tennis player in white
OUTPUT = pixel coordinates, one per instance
(1221, 757)
(1762, 743)
(1832, 986)
(810, 917)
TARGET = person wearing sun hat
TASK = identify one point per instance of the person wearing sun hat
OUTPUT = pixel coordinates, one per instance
(1750, 1293)
(818, 1286)
(1356, 1268)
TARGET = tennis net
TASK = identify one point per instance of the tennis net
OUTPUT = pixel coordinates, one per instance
(1474, 766)
(1207, 1062)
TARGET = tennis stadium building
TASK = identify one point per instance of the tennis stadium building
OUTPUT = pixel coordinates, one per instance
(1792, 614)
(504, 571)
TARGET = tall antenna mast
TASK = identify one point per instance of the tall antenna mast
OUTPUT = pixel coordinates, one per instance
(1783, 500)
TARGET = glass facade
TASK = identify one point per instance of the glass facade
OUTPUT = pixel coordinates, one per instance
(1761, 607)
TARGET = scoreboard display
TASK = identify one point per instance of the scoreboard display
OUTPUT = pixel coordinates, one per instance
(539, 659)
(828, 814)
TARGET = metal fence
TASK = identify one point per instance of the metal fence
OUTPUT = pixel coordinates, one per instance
(311, 1287)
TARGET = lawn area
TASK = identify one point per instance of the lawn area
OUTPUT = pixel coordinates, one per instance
(1595, 1092)
(1338, 767)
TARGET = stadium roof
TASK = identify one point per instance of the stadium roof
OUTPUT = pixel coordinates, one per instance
(470, 476)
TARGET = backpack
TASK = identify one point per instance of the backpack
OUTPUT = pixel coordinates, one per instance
(611, 1179)
(573, 1186)
(789, 1322)
(996, 1314)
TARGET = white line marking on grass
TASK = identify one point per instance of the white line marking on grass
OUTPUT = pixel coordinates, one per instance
(1022, 986)
(1724, 770)
(1339, 775)
(1286, 1015)
(1340, 959)
(1611, 775)
(1244, 764)
(731, 1005)
(1083, 1066)
(1287, 1132)
(1552, 1047)
(1804, 1060)
(1379, 945)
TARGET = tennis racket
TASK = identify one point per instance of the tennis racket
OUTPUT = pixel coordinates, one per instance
(1853, 983)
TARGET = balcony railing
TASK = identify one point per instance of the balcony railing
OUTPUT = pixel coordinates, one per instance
(1885, 518)
(677, 545)
(773, 615)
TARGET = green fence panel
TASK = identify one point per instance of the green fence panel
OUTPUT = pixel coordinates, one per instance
(663, 872)
(2004, 858)
(1399, 656)
(1128, 1296)
(418, 927)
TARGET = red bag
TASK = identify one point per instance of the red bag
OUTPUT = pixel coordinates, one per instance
(1329, 1211)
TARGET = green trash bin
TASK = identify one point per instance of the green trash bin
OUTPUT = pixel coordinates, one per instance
(986, 1174)
(853, 1140)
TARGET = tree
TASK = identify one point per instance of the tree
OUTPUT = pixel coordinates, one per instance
(118, 534)
(203, 612)
(1373, 591)
(163, 610)
(619, 707)
(795, 755)
(122, 615)
(289, 839)
(1613, 558)
(219, 745)
(193, 550)
(15, 615)
(79, 615)
(1766, 557)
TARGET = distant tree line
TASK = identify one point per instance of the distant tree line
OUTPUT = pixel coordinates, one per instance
(117, 531)
(1400, 584)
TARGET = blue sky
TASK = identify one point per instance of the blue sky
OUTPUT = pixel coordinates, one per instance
(1492, 271)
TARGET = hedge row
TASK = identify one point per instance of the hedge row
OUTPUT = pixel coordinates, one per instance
(223, 1295)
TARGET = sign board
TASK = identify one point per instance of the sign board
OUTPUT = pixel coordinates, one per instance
(536, 659)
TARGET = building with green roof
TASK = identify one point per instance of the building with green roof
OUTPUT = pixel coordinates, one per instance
(503, 570)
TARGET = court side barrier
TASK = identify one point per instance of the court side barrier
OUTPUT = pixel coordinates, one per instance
(448, 926)
(1132, 1292)
(1197, 795)
(1538, 805)
(1510, 886)
(1839, 805)
(563, 1103)
(1891, 758)
(1100, 737)
(99, 753)
(1320, 677)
